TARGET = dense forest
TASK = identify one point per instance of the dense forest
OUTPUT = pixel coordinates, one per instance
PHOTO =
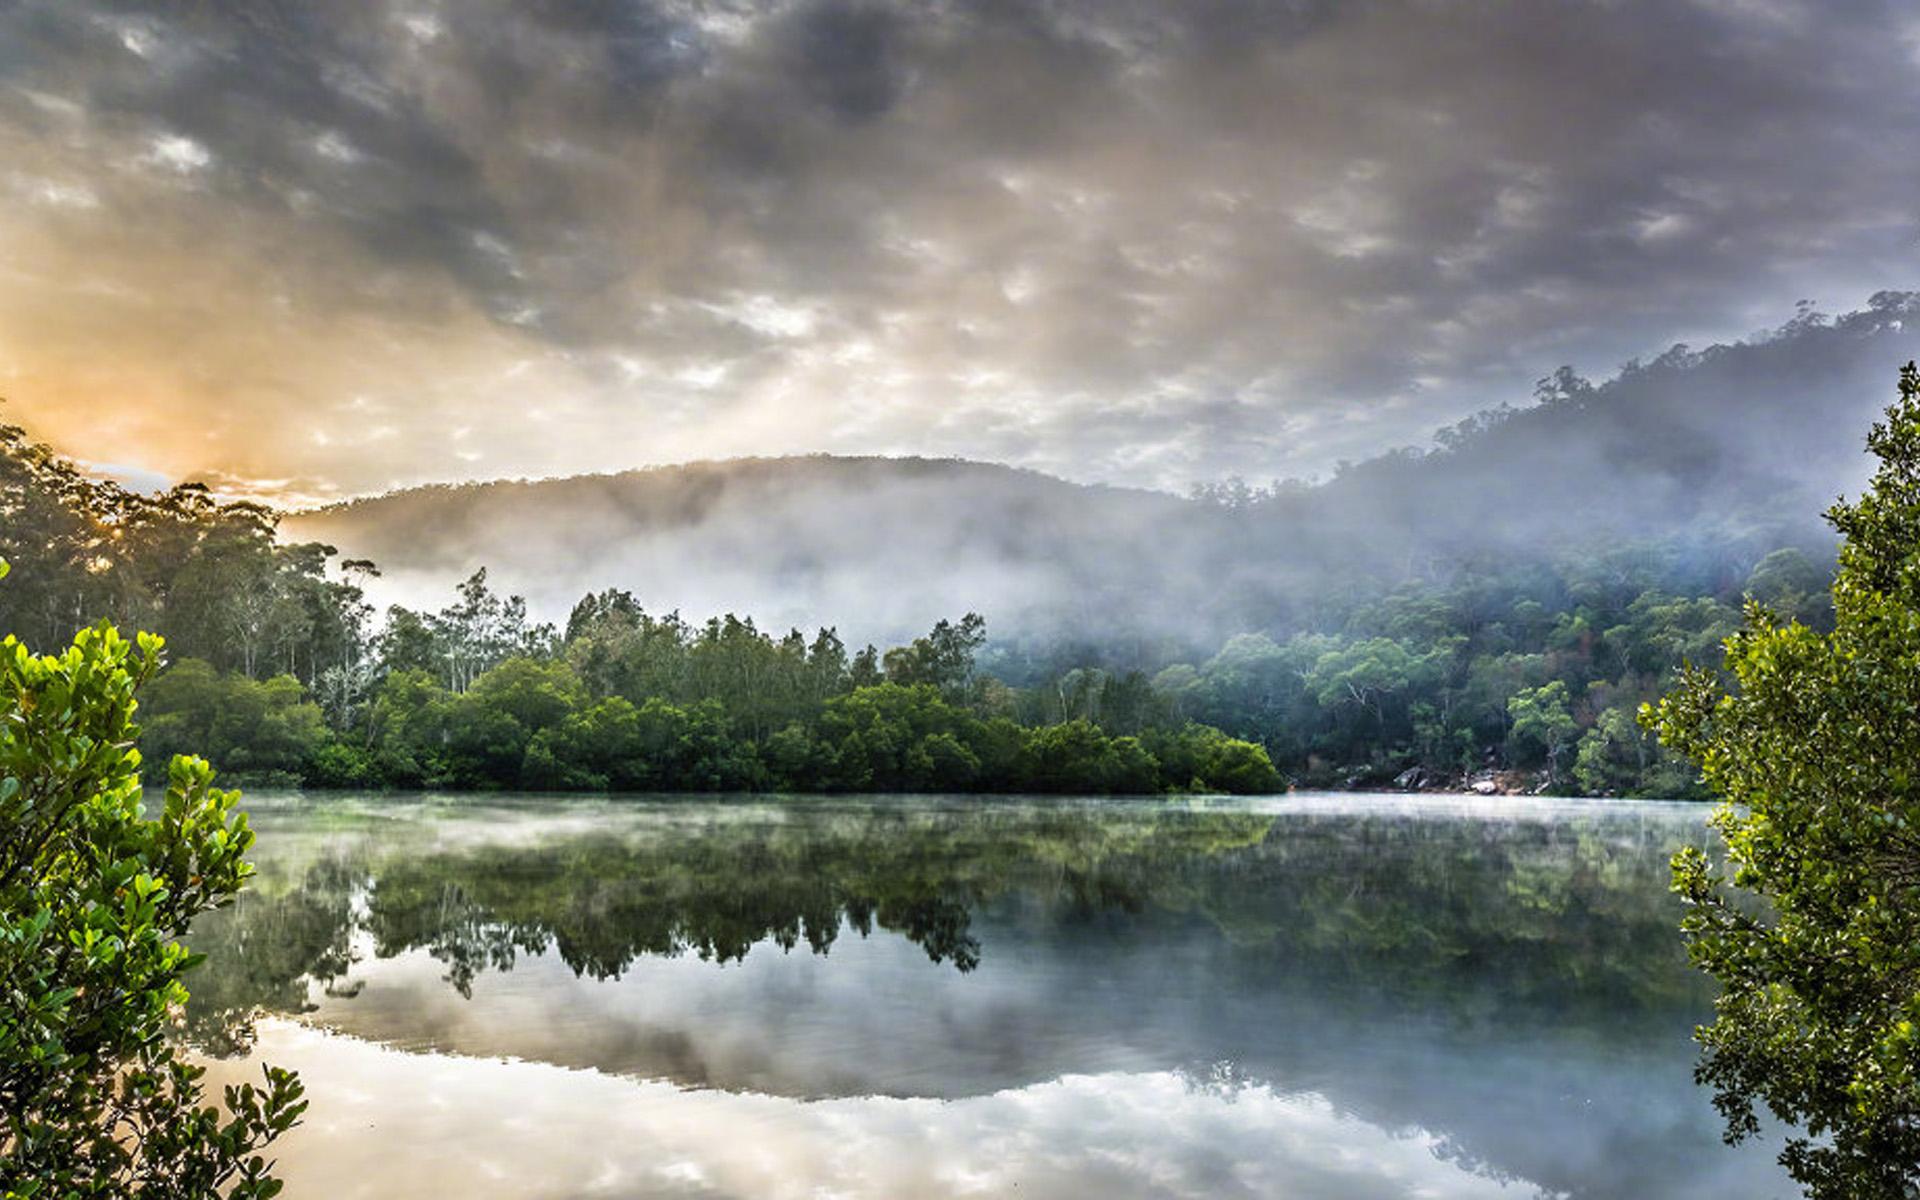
(281, 674)
(1493, 610)
(1512, 672)
(1523, 675)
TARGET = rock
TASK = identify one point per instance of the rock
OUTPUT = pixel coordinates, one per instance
(1484, 787)
(1410, 780)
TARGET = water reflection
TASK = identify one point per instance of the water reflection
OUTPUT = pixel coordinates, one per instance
(553, 1133)
(1501, 993)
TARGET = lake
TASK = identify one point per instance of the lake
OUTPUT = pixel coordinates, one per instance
(1310, 996)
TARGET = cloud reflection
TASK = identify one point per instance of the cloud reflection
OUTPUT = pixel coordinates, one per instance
(397, 1124)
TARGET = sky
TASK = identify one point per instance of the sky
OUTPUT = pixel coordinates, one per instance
(306, 251)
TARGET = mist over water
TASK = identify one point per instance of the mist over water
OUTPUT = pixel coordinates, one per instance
(1309, 996)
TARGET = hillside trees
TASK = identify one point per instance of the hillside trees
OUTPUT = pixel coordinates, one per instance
(1354, 685)
(943, 659)
(211, 574)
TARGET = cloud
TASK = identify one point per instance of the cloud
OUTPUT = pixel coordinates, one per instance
(1120, 241)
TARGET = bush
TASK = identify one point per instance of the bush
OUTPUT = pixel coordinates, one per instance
(93, 897)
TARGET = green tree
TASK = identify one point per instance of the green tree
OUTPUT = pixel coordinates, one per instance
(1128, 704)
(1788, 582)
(1077, 757)
(596, 749)
(944, 658)
(896, 737)
(252, 730)
(1541, 719)
(864, 670)
(1200, 758)
(1812, 923)
(693, 749)
(1611, 755)
(1231, 765)
(93, 895)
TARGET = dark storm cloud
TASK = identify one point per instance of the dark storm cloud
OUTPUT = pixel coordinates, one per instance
(1153, 242)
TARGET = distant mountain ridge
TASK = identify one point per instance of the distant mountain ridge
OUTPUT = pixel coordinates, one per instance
(1748, 440)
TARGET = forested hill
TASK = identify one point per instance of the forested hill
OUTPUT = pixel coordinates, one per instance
(893, 544)
(1760, 434)
(1734, 448)
(1492, 611)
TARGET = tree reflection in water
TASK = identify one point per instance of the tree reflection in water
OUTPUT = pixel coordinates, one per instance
(1506, 978)
(1477, 915)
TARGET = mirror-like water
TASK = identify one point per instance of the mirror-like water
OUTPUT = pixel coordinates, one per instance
(1308, 997)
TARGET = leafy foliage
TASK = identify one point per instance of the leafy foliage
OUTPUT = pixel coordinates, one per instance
(1812, 924)
(533, 724)
(93, 896)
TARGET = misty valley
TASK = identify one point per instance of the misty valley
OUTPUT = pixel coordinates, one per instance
(1490, 613)
(605, 897)
(954, 599)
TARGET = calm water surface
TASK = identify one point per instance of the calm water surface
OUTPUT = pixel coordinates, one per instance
(1312, 997)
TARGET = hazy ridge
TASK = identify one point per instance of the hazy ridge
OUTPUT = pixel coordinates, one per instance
(1741, 443)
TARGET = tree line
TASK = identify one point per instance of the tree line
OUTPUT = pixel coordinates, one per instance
(626, 700)
(211, 575)
(282, 675)
(1527, 672)
(1534, 667)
